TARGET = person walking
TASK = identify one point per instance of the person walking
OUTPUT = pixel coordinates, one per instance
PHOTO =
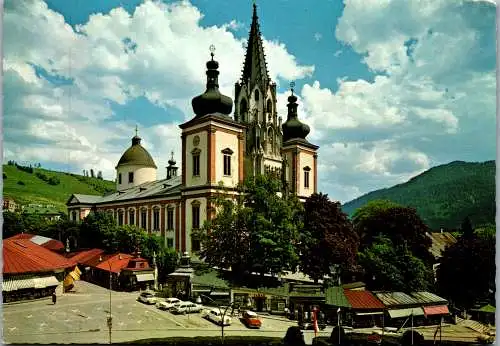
(54, 298)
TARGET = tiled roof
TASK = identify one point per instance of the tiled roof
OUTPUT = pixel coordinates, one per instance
(363, 300)
(151, 189)
(335, 296)
(115, 262)
(209, 278)
(392, 299)
(48, 243)
(83, 257)
(24, 256)
(428, 298)
(439, 242)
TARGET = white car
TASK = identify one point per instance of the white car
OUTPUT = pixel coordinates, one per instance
(147, 297)
(168, 303)
(186, 307)
(215, 315)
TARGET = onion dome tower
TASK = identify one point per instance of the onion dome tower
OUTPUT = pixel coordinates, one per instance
(212, 101)
(300, 164)
(293, 128)
(135, 167)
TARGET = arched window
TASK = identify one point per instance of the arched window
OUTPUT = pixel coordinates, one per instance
(256, 95)
(270, 139)
(269, 107)
(131, 217)
(156, 219)
(243, 109)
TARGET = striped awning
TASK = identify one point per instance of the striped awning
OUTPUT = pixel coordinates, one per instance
(401, 313)
(436, 310)
(145, 277)
(14, 284)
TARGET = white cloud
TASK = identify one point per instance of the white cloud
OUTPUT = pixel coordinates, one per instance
(159, 52)
(431, 100)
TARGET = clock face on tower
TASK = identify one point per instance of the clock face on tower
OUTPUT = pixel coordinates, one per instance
(196, 141)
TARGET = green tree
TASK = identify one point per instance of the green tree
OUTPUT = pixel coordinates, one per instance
(467, 270)
(401, 225)
(393, 268)
(327, 239)
(273, 225)
(98, 230)
(466, 228)
(225, 238)
(13, 223)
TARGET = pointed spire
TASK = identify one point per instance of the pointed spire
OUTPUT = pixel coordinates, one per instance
(255, 66)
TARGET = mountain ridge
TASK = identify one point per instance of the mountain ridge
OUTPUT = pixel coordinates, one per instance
(443, 195)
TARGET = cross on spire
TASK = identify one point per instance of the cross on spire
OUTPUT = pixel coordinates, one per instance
(212, 51)
(292, 85)
(172, 155)
(136, 129)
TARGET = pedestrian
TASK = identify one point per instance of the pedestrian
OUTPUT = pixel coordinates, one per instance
(54, 298)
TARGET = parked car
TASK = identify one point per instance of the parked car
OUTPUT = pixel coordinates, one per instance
(168, 303)
(215, 315)
(186, 308)
(147, 298)
(251, 319)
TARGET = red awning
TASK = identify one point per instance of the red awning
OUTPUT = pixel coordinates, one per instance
(436, 310)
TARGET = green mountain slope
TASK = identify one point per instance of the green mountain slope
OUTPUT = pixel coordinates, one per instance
(444, 195)
(49, 187)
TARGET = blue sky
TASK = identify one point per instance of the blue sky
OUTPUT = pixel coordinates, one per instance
(389, 88)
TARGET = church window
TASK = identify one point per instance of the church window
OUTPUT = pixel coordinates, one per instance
(119, 178)
(156, 219)
(120, 218)
(243, 109)
(195, 215)
(227, 160)
(144, 218)
(196, 162)
(130, 177)
(256, 95)
(131, 217)
(306, 177)
(170, 218)
(269, 107)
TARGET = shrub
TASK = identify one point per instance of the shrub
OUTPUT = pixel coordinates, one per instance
(4, 176)
(20, 182)
(54, 181)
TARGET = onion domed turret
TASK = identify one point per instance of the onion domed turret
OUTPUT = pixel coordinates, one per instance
(212, 101)
(293, 128)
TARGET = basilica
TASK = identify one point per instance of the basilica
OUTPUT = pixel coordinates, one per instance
(217, 146)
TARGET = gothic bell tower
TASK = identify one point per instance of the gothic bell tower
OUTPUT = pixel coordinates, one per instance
(255, 107)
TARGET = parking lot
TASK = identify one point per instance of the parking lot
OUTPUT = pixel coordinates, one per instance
(81, 318)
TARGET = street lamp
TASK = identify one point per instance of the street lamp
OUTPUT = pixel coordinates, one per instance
(231, 304)
(110, 318)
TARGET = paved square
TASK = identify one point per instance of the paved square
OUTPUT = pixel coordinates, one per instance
(82, 316)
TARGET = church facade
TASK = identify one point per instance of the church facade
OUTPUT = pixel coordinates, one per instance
(216, 147)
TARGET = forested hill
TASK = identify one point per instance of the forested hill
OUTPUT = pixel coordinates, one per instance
(28, 185)
(444, 195)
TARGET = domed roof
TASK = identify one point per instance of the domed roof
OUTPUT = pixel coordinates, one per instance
(136, 155)
(212, 101)
(293, 127)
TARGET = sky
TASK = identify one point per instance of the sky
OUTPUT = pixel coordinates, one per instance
(390, 88)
